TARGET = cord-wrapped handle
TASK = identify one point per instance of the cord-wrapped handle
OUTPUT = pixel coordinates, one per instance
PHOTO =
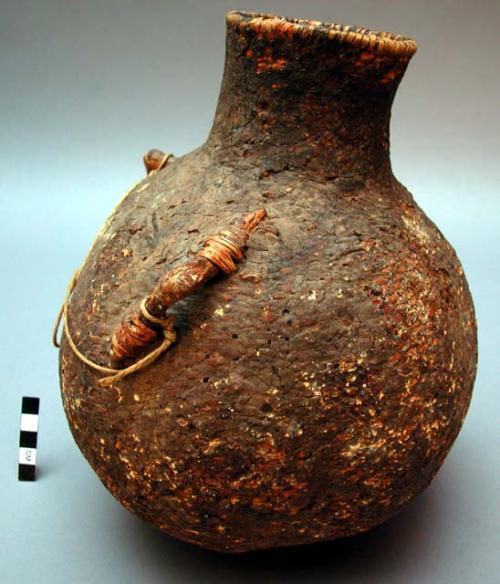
(150, 323)
(221, 252)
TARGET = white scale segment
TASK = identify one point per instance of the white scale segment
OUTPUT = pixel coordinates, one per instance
(27, 455)
(29, 422)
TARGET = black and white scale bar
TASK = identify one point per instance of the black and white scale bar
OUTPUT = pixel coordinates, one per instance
(28, 438)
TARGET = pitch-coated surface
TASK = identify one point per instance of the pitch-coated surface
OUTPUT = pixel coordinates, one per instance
(316, 391)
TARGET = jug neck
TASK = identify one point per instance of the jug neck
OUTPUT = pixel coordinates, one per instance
(307, 96)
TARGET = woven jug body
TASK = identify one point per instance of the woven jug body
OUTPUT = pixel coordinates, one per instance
(318, 389)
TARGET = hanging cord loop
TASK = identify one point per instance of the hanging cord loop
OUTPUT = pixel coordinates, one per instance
(113, 375)
(150, 324)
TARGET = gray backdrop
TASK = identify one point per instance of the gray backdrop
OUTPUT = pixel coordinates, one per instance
(86, 88)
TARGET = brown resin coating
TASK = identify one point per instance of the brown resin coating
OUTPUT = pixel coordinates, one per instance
(314, 392)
